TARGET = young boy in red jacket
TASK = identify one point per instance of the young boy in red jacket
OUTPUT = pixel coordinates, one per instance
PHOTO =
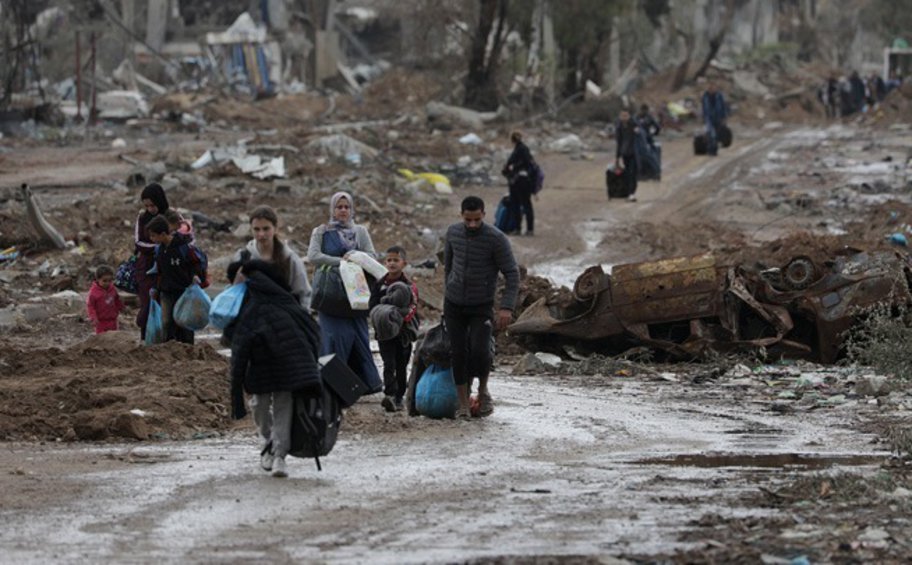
(103, 304)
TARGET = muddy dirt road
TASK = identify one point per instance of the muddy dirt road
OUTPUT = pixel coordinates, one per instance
(564, 467)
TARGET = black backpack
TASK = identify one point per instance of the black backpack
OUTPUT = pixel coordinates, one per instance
(315, 424)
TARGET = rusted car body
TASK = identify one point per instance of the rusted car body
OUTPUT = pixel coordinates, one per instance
(687, 306)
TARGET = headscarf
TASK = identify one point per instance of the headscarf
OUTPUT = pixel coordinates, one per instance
(346, 229)
(156, 194)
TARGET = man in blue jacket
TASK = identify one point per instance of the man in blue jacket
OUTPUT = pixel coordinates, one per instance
(715, 112)
(475, 253)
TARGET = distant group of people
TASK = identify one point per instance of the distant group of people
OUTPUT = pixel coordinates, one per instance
(638, 155)
(849, 95)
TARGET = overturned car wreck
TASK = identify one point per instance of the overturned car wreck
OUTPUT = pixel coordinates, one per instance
(689, 306)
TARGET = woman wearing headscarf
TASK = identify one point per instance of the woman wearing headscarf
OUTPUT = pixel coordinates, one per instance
(346, 336)
(154, 203)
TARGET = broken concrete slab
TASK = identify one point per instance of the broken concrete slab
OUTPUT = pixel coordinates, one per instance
(341, 146)
(872, 385)
(45, 231)
(122, 104)
(473, 119)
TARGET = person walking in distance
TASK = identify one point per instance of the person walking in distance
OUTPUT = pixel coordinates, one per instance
(715, 112)
(625, 131)
(474, 254)
(518, 171)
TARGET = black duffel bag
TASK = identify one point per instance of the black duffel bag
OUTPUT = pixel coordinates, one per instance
(329, 295)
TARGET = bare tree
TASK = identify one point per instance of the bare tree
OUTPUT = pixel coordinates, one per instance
(481, 82)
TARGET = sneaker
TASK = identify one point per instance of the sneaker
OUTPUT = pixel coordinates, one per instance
(485, 404)
(463, 413)
(632, 198)
(278, 468)
(388, 404)
(266, 457)
(400, 404)
(530, 234)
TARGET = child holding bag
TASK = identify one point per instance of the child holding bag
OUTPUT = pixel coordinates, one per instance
(178, 265)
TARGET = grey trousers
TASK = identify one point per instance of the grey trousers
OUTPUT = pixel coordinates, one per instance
(272, 414)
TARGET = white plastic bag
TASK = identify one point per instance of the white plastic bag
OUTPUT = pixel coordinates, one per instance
(368, 263)
(355, 285)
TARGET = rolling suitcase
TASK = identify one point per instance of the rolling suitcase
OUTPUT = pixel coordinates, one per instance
(725, 136)
(701, 144)
(614, 182)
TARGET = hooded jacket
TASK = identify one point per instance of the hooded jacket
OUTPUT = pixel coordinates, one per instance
(177, 263)
(103, 304)
(275, 345)
(156, 194)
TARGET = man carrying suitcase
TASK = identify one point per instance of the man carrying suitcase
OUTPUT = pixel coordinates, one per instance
(715, 112)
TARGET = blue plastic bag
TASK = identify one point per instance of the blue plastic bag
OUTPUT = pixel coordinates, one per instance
(155, 333)
(227, 305)
(435, 395)
(191, 311)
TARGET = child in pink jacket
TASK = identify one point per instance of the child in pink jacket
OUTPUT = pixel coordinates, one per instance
(103, 304)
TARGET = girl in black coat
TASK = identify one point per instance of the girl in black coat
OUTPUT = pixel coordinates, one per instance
(274, 349)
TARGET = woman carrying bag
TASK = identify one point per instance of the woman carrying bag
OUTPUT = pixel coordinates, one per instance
(266, 245)
(344, 331)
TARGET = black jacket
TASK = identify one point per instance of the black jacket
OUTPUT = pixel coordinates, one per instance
(472, 260)
(520, 161)
(177, 264)
(624, 135)
(275, 345)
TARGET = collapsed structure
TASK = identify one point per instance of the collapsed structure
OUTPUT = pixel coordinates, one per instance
(688, 306)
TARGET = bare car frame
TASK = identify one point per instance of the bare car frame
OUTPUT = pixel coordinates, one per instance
(687, 306)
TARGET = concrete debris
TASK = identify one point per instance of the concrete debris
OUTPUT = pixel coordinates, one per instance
(342, 146)
(437, 111)
(46, 232)
(569, 143)
(872, 385)
(470, 139)
(122, 105)
(254, 165)
(529, 364)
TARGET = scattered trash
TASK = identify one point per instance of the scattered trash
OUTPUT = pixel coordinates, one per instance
(470, 139)
(549, 359)
(9, 254)
(899, 239)
(440, 182)
(254, 165)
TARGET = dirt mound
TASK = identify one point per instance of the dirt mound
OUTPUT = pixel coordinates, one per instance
(108, 387)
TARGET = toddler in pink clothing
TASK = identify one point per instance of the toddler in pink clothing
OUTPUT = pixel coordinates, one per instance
(103, 304)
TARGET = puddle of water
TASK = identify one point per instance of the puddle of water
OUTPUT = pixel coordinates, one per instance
(764, 460)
